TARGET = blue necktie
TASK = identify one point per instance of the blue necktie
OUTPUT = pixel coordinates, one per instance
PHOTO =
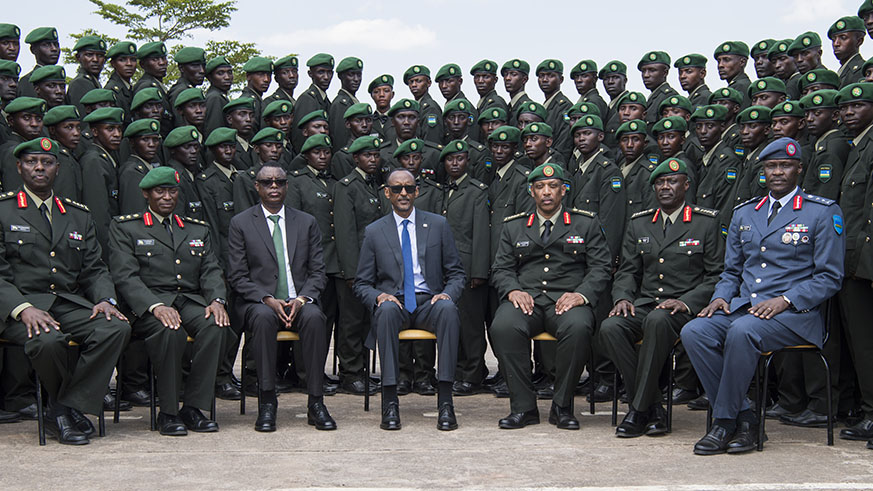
(408, 275)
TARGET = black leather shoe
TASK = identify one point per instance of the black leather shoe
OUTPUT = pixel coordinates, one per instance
(776, 411)
(870, 444)
(461, 388)
(446, 420)
(357, 387)
(109, 404)
(391, 417)
(235, 381)
(171, 425)
(684, 396)
(404, 387)
(657, 421)
(715, 442)
(601, 393)
(82, 423)
(500, 390)
(9, 416)
(28, 413)
(546, 393)
(284, 386)
(424, 388)
(806, 418)
(563, 418)
(195, 421)
(492, 380)
(633, 424)
(583, 387)
(228, 392)
(863, 430)
(328, 389)
(139, 398)
(519, 420)
(64, 429)
(318, 416)
(745, 439)
(699, 404)
(266, 421)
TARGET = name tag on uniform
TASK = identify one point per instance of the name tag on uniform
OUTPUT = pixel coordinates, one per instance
(643, 240)
(523, 243)
(194, 205)
(374, 201)
(19, 228)
(319, 194)
(145, 242)
(689, 242)
(75, 236)
(575, 239)
(196, 243)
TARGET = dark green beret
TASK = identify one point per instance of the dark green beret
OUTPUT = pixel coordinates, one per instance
(679, 101)
(865, 8)
(454, 146)
(285, 62)
(861, 91)
(779, 48)
(762, 47)
(313, 116)
(584, 66)
(239, 103)
(807, 40)
(48, 73)
(866, 66)
(278, 107)
(221, 135)
(537, 129)
(404, 105)
(192, 94)
(533, 108)
(846, 24)
(654, 57)
(819, 76)
(692, 60)
(672, 123)
(190, 54)
(380, 81)
(216, 62)
(510, 134)
(448, 71)
(493, 114)
(754, 114)
(369, 142)
(258, 64)
(90, 43)
(613, 67)
(122, 48)
(270, 134)
(349, 63)
(458, 105)
(105, 115)
(668, 167)
(825, 98)
(591, 121)
(487, 66)
(314, 141)
(712, 112)
(357, 110)
(550, 65)
(632, 98)
(631, 127)
(182, 135)
(546, 171)
(517, 65)
(143, 127)
(767, 84)
(10, 68)
(37, 145)
(414, 71)
(23, 104)
(150, 94)
(738, 48)
(787, 108)
(584, 108)
(163, 176)
(726, 94)
(9, 31)
(413, 145)
(155, 49)
(41, 34)
(59, 114)
(320, 59)
(96, 96)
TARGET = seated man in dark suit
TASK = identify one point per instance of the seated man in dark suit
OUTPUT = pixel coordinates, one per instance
(276, 269)
(411, 277)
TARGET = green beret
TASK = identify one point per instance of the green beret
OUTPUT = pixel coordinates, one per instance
(191, 94)
(349, 63)
(454, 146)
(320, 59)
(865, 8)
(10, 68)
(414, 71)
(692, 60)
(486, 66)
(779, 48)
(861, 91)
(762, 47)
(314, 141)
(90, 43)
(448, 71)
(404, 105)
(314, 115)
(270, 134)
(533, 108)
(679, 101)
(584, 108)
(493, 114)
(550, 65)
(216, 62)
(122, 48)
(380, 81)
(413, 145)
(41, 34)
(846, 24)
(59, 114)
(163, 176)
(221, 135)
(537, 129)
(182, 135)
(96, 96)
(754, 114)
(819, 76)
(726, 94)
(285, 62)
(459, 106)
(105, 115)
(672, 123)
(584, 66)
(631, 127)
(807, 40)
(591, 121)
(867, 64)
(359, 109)
(767, 84)
(239, 103)
(654, 57)
(150, 94)
(9, 31)
(632, 98)
(277, 108)
(23, 104)
(143, 127)
(155, 49)
(48, 73)
(517, 65)
(190, 54)
(258, 64)
(509, 134)
(712, 112)
(37, 145)
(370, 142)
(787, 108)
(668, 167)
(738, 48)
(613, 67)
(546, 171)
(825, 98)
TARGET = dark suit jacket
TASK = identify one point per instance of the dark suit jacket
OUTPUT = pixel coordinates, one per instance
(252, 267)
(380, 266)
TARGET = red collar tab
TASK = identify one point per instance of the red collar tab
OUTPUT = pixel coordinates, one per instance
(798, 201)
(657, 214)
(60, 206)
(761, 203)
(147, 219)
(179, 221)
(531, 219)
(686, 215)
(22, 199)
(566, 218)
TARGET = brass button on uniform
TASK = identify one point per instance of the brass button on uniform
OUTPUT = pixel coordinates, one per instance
(178, 261)
(52, 254)
(178, 277)
(661, 260)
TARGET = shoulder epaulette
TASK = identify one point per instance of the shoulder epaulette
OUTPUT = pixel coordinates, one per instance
(513, 217)
(76, 204)
(643, 213)
(253, 173)
(345, 149)
(7, 195)
(704, 211)
(345, 181)
(127, 218)
(295, 172)
(587, 213)
(478, 183)
(480, 147)
(605, 162)
(819, 199)
(194, 220)
(744, 203)
(139, 167)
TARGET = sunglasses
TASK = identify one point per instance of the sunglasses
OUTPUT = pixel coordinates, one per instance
(397, 189)
(272, 182)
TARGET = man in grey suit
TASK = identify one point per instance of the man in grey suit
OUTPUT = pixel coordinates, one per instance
(411, 277)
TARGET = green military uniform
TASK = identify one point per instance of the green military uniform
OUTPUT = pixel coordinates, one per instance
(68, 181)
(38, 35)
(313, 99)
(382, 124)
(256, 64)
(100, 187)
(823, 172)
(8, 161)
(245, 154)
(592, 96)
(83, 81)
(611, 118)
(521, 97)
(184, 56)
(344, 99)
(281, 94)
(134, 169)
(148, 81)
(719, 166)
(636, 174)
(731, 135)
(216, 99)
(558, 106)
(123, 89)
(850, 70)
(699, 96)
(741, 81)
(190, 204)
(662, 92)
(750, 182)
(215, 187)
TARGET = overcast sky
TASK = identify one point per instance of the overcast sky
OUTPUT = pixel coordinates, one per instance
(390, 36)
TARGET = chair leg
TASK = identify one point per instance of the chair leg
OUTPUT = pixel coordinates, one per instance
(153, 423)
(827, 367)
(242, 378)
(118, 388)
(366, 379)
(335, 357)
(40, 412)
(762, 388)
(591, 404)
(670, 363)
(101, 423)
(614, 397)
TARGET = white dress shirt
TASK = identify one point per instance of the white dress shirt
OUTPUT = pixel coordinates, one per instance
(420, 284)
(782, 202)
(292, 292)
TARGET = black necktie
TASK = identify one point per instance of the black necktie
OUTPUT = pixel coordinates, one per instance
(169, 227)
(44, 210)
(453, 186)
(667, 224)
(323, 175)
(370, 180)
(547, 231)
(773, 212)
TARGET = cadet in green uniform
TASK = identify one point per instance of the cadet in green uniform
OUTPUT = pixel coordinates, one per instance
(487, 123)
(90, 53)
(183, 144)
(190, 108)
(153, 61)
(314, 123)
(550, 76)
(100, 170)
(259, 75)
(286, 76)
(670, 134)
(784, 67)
(239, 114)
(449, 80)
(63, 125)
(633, 106)
(537, 138)
(732, 101)
(46, 50)
(279, 114)
(457, 117)
(531, 112)
(768, 91)
(381, 90)
(9, 72)
(819, 79)
(95, 99)
(269, 145)
(485, 79)
(122, 58)
(358, 122)
(806, 50)
(754, 122)
(692, 78)
(315, 98)
(430, 125)
(219, 73)
(515, 75)
(349, 72)
(406, 119)
(636, 168)
(24, 115)
(654, 67)
(10, 42)
(584, 75)
(147, 104)
(830, 147)
(678, 105)
(719, 166)
(410, 157)
(50, 84)
(192, 72)
(788, 120)
(758, 53)
(613, 75)
(167, 273)
(732, 57)
(847, 35)
(144, 136)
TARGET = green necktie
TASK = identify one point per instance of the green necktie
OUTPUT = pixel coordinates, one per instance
(282, 284)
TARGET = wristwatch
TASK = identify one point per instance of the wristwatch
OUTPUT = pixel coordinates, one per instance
(786, 300)
(111, 301)
(220, 301)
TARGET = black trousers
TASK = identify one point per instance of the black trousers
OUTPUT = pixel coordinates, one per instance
(351, 331)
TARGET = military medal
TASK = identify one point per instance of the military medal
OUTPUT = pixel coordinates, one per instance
(786, 238)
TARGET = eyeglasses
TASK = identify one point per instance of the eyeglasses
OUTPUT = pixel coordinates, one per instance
(397, 189)
(272, 182)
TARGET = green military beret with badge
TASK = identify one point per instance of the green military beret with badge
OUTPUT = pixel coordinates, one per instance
(820, 99)
(221, 135)
(860, 91)
(143, 96)
(671, 123)
(589, 121)
(361, 109)
(807, 40)
(452, 147)
(349, 63)
(59, 114)
(779, 48)
(48, 73)
(487, 66)
(414, 71)
(143, 127)
(216, 62)
(41, 34)
(190, 54)
(754, 114)
(850, 23)
(654, 57)
(762, 47)
(679, 101)
(319, 114)
(155, 49)
(98, 96)
(40, 145)
(182, 135)
(458, 106)
(121, 48)
(866, 66)
(269, 135)
(542, 129)
(509, 134)
(613, 67)
(550, 65)
(413, 145)
(865, 8)
(160, 177)
(24, 104)
(493, 114)
(632, 98)
(404, 105)
(767, 84)
(820, 76)
(315, 141)
(692, 60)
(584, 66)
(90, 43)
(450, 70)
(285, 62)
(668, 167)
(533, 108)
(320, 59)
(237, 104)
(381, 80)
(278, 108)
(9, 31)
(726, 94)
(737, 48)
(584, 108)
(517, 65)
(105, 115)
(545, 172)
(368, 143)
(10, 68)
(787, 108)
(258, 64)
(712, 112)
(193, 94)
(635, 126)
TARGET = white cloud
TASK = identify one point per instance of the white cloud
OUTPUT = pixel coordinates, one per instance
(383, 34)
(813, 10)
